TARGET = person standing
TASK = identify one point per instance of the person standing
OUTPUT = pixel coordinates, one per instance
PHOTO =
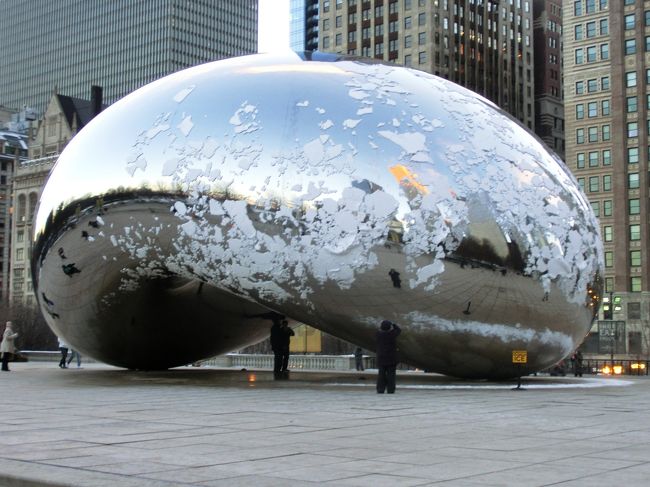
(276, 346)
(577, 364)
(387, 356)
(7, 347)
(63, 348)
(358, 359)
(287, 333)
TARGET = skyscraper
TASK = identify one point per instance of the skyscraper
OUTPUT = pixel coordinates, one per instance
(484, 45)
(606, 76)
(303, 25)
(72, 44)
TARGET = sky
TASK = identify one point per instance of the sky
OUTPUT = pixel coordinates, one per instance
(273, 30)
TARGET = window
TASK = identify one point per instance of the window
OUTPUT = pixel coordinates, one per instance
(603, 4)
(422, 57)
(422, 19)
(606, 132)
(379, 49)
(591, 54)
(635, 232)
(20, 236)
(407, 22)
(326, 42)
(422, 38)
(631, 104)
(20, 254)
(647, 43)
(580, 87)
(379, 11)
(604, 107)
(633, 180)
(577, 7)
(647, 102)
(630, 79)
(581, 183)
(633, 155)
(338, 21)
(580, 111)
(593, 159)
(630, 46)
(607, 208)
(594, 184)
(379, 30)
(580, 136)
(635, 258)
(580, 160)
(578, 32)
(607, 182)
(604, 51)
(632, 130)
(590, 6)
(592, 85)
(408, 60)
(392, 26)
(591, 29)
(647, 17)
(408, 41)
(629, 22)
(604, 27)
(607, 157)
(592, 109)
(326, 24)
(609, 259)
(609, 284)
(579, 56)
(352, 18)
(635, 284)
(339, 39)
(634, 206)
(352, 36)
(595, 205)
(592, 134)
(608, 233)
(604, 83)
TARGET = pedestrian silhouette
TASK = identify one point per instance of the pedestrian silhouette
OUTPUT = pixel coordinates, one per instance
(387, 356)
(394, 276)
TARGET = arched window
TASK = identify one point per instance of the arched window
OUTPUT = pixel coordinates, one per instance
(33, 199)
(20, 210)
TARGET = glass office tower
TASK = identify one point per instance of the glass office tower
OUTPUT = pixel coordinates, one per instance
(119, 45)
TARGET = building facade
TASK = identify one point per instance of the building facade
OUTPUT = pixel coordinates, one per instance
(549, 105)
(484, 45)
(72, 44)
(606, 80)
(62, 119)
(13, 152)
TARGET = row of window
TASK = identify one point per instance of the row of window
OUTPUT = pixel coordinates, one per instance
(594, 183)
(635, 287)
(592, 134)
(581, 7)
(591, 109)
(589, 54)
(604, 158)
(634, 258)
(634, 232)
(588, 29)
(592, 85)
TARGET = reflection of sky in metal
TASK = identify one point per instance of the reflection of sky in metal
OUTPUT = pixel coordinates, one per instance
(278, 128)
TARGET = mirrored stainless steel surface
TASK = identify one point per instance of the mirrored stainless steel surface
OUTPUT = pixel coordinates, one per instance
(334, 191)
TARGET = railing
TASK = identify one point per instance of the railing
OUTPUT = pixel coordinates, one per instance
(296, 362)
(603, 366)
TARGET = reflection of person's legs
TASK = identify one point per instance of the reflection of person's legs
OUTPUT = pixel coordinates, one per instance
(390, 379)
(381, 379)
(5, 361)
(277, 364)
(285, 361)
(78, 359)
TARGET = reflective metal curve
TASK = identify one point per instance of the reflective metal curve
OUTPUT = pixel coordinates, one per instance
(334, 191)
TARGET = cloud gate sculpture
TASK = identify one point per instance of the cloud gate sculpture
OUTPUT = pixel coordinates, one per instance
(335, 191)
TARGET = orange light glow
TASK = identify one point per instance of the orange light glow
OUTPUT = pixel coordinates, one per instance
(404, 176)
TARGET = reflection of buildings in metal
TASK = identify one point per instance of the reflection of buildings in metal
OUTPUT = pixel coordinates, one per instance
(297, 186)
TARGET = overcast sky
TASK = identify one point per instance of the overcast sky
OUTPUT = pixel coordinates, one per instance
(273, 33)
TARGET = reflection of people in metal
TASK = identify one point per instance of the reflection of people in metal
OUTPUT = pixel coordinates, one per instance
(63, 348)
(577, 364)
(394, 276)
(387, 356)
(74, 354)
(70, 269)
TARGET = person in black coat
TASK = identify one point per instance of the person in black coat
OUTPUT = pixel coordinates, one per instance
(286, 334)
(387, 356)
(277, 345)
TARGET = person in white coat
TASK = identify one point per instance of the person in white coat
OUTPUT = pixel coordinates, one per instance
(7, 347)
(63, 348)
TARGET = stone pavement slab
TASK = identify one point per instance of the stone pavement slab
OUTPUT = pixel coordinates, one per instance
(102, 426)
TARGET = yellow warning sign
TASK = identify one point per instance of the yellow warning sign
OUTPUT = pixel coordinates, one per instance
(519, 356)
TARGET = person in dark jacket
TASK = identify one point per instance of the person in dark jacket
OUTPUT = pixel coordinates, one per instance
(387, 356)
(358, 358)
(277, 345)
(286, 334)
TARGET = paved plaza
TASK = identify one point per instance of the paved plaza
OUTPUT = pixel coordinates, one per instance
(101, 426)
